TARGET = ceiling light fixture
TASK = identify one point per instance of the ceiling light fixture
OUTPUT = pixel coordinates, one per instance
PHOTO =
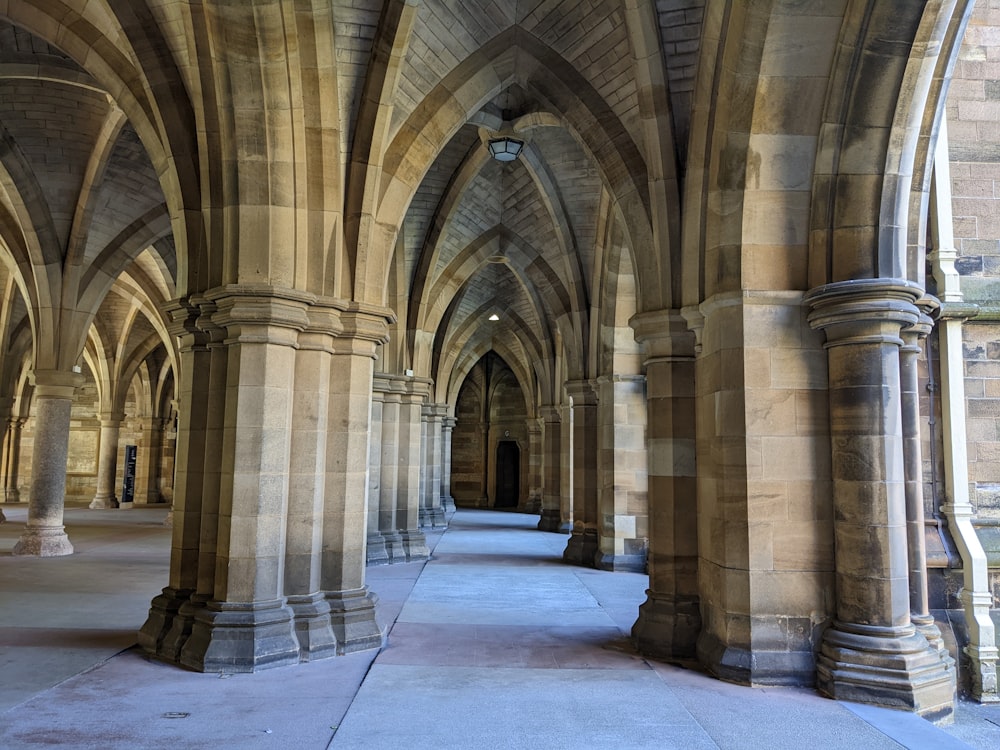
(494, 317)
(505, 148)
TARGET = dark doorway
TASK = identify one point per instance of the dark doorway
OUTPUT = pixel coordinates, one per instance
(508, 475)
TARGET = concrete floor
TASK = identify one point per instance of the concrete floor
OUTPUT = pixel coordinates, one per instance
(494, 643)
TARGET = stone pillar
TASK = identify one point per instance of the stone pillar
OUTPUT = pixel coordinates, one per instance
(447, 428)
(484, 479)
(389, 464)
(623, 517)
(201, 403)
(533, 503)
(44, 534)
(433, 414)
(566, 499)
(307, 487)
(669, 620)
(247, 624)
(582, 547)
(147, 464)
(12, 460)
(408, 476)
(909, 353)
(5, 404)
(872, 653)
(551, 516)
(352, 605)
(107, 462)
(375, 551)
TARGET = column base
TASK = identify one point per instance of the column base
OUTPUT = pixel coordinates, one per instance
(394, 547)
(103, 502)
(415, 545)
(180, 629)
(162, 611)
(581, 549)
(550, 520)
(624, 563)
(432, 518)
(43, 541)
(667, 627)
(448, 503)
(762, 665)
(352, 617)
(12, 495)
(313, 628)
(375, 551)
(241, 637)
(891, 667)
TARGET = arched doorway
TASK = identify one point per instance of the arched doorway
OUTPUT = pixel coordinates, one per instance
(508, 475)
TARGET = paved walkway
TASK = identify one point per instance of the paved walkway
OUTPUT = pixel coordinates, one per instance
(494, 643)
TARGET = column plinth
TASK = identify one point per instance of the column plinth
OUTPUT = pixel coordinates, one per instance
(241, 637)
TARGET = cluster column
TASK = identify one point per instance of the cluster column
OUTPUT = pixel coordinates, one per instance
(583, 543)
(447, 429)
(551, 516)
(198, 443)
(433, 514)
(670, 620)
(408, 487)
(622, 474)
(536, 430)
(44, 534)
(872, 653)
(352, 604)
(147, 469)
(246, 622)
(12, 459)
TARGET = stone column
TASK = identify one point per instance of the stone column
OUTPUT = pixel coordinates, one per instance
(246, 623)
(376, 553)
(909, 353)
(872, 653)
(107, 462)
(5, 404)
(388, 523)
(307, 487)
(12, 460)
(551, 516)
(447, 428)
(670, 619)
(44, 534)
(201, 404)
(352, 605)
(566, 499)
(433, 414)
(408, 476)
(533, 503)
(622, 484)
(147, 464)
(582, 547)
(484, 480)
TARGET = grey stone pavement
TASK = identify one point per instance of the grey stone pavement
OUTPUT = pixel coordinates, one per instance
(494, 643)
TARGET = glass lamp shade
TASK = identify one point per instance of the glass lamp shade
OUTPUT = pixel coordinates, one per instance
(505, 148)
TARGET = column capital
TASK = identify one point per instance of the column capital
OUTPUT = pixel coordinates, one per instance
(864, 311)
(663, 333)
(448, 423)
(550, 413)
(55, 383)
(583, 392)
